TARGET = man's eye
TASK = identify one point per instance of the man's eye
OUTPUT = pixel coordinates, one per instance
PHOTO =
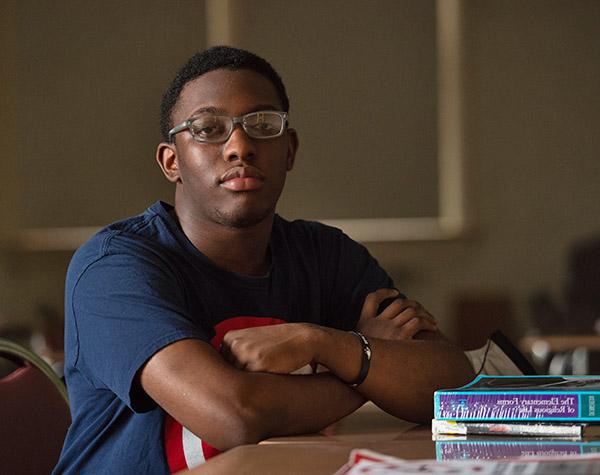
(204, 129)
(207, 130)
(262, 126)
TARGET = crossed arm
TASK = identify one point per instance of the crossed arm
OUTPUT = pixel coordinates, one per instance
(247, 394)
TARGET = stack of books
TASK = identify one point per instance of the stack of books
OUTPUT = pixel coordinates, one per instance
(532, 413)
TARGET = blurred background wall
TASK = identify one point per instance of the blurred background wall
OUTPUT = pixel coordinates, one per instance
(81, 87)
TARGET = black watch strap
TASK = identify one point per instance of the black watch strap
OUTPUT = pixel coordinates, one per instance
(366, 360)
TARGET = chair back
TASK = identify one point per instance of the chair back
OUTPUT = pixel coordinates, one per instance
(34, 413)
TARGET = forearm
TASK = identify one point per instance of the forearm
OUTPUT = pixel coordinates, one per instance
(403, 374)
(278, 405)
(228, 407)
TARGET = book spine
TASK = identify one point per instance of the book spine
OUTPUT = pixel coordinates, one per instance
(514, 429)
(480, 405)
(469, 450)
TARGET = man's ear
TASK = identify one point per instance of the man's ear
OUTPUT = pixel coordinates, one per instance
(166, 156)
(293, 144)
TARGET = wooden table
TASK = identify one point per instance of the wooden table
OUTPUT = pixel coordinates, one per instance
(326, 452)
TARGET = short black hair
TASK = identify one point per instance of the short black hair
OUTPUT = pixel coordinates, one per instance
(217, 57)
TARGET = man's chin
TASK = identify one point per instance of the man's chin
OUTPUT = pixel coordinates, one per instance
(245, 219)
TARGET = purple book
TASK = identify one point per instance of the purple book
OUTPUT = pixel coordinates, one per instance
(522, 398)
(495, 450)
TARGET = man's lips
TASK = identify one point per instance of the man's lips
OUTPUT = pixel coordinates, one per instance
(240, 178)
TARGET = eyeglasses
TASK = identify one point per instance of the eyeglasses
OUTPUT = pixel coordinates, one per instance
(213, 128)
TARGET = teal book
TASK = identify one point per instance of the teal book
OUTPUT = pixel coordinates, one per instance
(521, 398)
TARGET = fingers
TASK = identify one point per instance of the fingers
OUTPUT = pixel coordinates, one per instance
(405, 309)
(415, 325)
(374, 299)
(272, 348)
(400, 305)
(403, 327)
(238, 351)
(407, 318)
(229, 355)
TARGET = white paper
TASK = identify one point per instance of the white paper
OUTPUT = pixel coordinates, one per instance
(363, 462)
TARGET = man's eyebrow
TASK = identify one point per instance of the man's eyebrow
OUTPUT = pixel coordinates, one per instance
(263, 107)
(212, 110)
(216, 110)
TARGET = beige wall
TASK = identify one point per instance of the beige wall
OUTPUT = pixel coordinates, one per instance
(362, 86)
(532, 80)
(533, 114)
(91, 75)
(87, 78)
(8, 179)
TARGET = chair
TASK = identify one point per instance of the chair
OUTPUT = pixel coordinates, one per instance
(577, 312)
(581, 292)
(34, 413)
(571, 323)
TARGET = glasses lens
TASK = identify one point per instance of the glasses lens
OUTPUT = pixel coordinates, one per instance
(210, 128)
(263, 125)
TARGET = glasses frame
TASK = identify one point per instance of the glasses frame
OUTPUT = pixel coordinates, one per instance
(187, 125)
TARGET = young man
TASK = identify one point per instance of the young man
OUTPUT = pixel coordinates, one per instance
(184, 324)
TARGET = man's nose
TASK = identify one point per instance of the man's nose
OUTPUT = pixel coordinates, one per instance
(239, 146)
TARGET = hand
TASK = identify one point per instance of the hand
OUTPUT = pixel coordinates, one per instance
(402, 319)
(282, 348)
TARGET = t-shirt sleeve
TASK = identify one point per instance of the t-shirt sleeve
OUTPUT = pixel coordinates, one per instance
(352, 273)
(125, 309)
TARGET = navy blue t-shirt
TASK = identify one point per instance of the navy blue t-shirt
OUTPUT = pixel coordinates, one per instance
(140, 284)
